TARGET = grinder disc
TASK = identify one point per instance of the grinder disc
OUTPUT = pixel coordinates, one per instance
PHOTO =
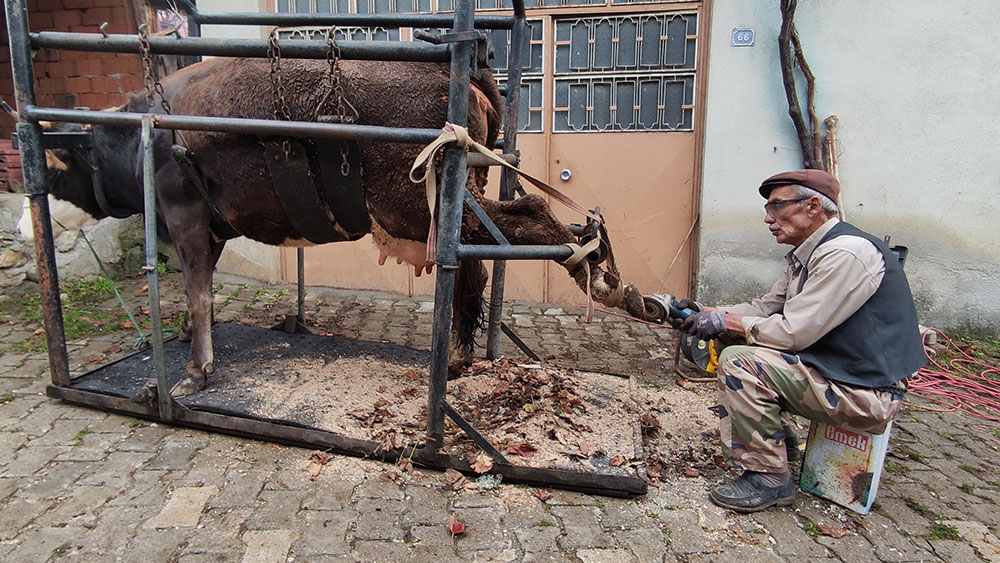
(698, 352)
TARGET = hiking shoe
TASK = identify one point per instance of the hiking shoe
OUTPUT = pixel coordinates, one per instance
(747, 493)
(792, 445)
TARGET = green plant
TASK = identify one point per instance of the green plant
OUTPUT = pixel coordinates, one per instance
(217, 288)
(257, 295)
(897, 469)
(913, 454)
(78, 439)
(6, 398)
(969, 468)
(812, 529)
(135, 423)
(967, 489)
(599, 504)
(545, 523)
(915, 506)
(941, 532)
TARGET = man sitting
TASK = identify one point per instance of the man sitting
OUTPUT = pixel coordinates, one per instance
(833, 341)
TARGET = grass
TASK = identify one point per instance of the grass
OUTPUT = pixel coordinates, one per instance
(897, 468)
(78, 439)
(913, 454)
(545, 523)
(6, 398)
(599, 504)
(968, 468)
(941, 532)
(968, 488)
(812, 530)
(915, 506)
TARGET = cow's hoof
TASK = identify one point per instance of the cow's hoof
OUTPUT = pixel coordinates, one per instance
(188, 385)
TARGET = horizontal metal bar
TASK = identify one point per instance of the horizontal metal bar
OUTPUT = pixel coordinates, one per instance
(478, 160)
(237, 125)
(58, 139)
(515, 252)
(295, 49)
(361, 20)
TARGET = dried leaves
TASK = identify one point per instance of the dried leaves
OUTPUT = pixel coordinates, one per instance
(483, 463)
(316, 462)
(456, 526)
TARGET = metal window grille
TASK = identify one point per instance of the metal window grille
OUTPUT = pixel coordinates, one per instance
(625, 73)
(530, 111)
(342, 33)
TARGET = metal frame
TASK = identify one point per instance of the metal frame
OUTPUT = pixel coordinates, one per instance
(461, 53)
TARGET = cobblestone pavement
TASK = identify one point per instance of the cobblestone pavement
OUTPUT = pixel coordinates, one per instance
(83, 485)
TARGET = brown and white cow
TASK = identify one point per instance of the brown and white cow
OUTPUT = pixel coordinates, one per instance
(241, 189)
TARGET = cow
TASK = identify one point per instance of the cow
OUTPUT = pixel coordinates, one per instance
(235, 191)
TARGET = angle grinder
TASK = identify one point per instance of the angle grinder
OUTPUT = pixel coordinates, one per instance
(662, 308)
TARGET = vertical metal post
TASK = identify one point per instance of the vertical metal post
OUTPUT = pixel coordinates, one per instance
(300, 259)
(152, 276)
(511, 112)
(450, 202)
(33, 162)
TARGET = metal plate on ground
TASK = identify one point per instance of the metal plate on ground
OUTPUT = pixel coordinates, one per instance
(545, 418)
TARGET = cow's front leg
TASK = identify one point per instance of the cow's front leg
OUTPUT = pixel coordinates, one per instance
(198, 254)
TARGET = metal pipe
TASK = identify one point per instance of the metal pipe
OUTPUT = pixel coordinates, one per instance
(36, 186)
(360, 20)
(296, 49)
(515, 252)
(508, 178)
(300, 270)
(152, 276)
(454, 175)
(239, 125)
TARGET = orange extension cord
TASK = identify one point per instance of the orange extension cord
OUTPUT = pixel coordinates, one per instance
(965, 385)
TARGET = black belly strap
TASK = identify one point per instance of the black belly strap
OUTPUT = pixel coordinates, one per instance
(299, 177)
(219, 226)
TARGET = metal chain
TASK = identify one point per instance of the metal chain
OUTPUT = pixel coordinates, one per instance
(149, 72)
(280, 105)
(277, 88)
(336, 82)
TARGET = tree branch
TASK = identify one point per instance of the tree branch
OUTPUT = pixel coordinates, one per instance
(789, 50)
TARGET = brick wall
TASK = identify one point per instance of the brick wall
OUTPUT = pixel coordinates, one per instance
(66, 79)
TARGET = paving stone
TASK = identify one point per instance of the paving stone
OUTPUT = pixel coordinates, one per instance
(581, 529)
(646, 544)
(219, 532)
(790, 541)
(369, 551)
(329, 494)
(41, 418)
(949, 550)
(323, 532)
(379, 519)
(42, 544)
(79, 507)
(684, 531)
(155, 544)
(852, 547)
(183, 509)
(279, 510)
(426, 506)
(19, 512)
(240, 489)
(175, 454)
(376, 489)
(10, 442)
(486, 530)
(267, 546)
(145, 439)
(979, 537)
(30, 461)
(112, 531)
(93, 447)
(116, 469)
(147, 488)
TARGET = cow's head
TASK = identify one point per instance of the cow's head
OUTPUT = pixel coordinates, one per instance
(69, 175)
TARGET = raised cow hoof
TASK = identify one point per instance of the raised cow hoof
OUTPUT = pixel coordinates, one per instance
(188, 385)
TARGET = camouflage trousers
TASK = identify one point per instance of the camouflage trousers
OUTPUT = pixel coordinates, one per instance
(758, 387)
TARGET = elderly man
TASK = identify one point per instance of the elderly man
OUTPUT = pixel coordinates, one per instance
(833, 341)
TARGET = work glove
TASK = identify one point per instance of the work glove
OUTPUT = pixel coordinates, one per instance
(706, 325)
(689, 304)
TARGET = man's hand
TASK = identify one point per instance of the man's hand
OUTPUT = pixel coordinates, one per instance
(706, 325)
(690, 304)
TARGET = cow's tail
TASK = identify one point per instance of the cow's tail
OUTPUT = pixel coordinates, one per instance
(469, 310)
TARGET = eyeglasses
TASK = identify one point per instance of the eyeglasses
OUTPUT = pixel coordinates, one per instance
(771, 207)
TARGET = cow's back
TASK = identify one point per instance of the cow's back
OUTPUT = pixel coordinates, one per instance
(392, 94)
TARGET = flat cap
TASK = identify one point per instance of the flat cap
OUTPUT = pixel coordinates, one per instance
(819, 180)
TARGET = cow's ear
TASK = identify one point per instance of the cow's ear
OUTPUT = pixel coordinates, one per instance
(88, 126)
(46, 125)
(54, 162)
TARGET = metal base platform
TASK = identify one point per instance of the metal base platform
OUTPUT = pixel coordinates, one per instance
(246, 354)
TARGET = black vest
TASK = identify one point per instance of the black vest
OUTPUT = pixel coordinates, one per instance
(879, 344)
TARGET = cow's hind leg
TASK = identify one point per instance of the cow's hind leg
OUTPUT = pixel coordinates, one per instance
(467, 314)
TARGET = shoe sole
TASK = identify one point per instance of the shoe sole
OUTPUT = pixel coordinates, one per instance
(785, 501)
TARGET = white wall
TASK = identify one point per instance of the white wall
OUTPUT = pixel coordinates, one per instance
(916, 87)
